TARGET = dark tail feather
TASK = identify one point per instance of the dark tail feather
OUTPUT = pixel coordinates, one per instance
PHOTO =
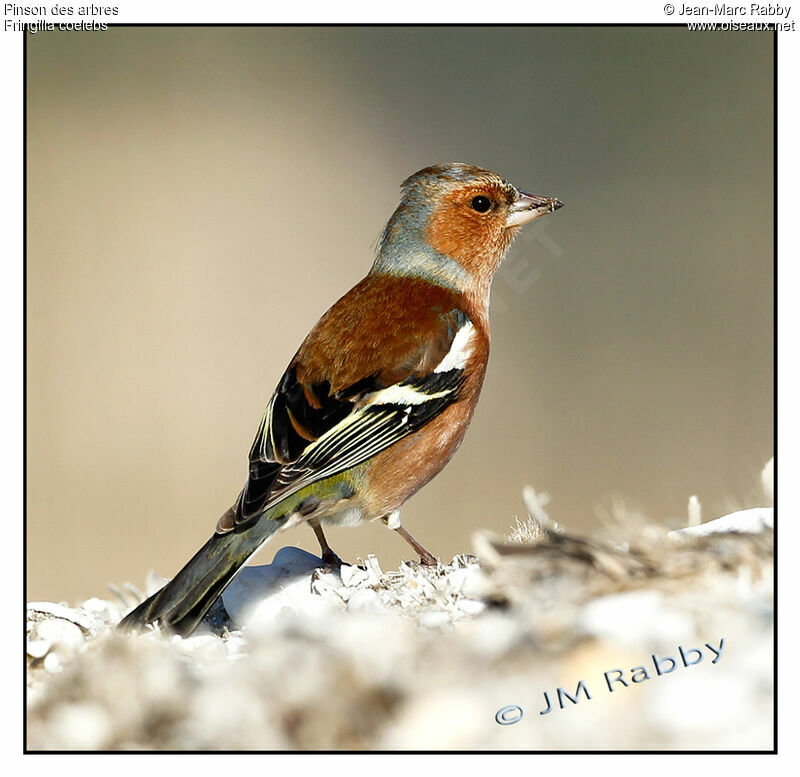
(181, 604)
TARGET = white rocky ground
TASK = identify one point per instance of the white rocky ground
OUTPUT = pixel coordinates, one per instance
(432, 658)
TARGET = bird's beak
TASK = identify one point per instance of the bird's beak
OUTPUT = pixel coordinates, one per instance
(528, 207)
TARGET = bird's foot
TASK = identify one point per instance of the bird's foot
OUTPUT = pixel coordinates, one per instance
(331, 560)
(427, 560)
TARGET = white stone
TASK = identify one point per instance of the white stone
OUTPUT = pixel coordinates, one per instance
(82, 619)
(261, 594)
(471, 606)
(38, 648)
(364, 600)
(752, 521)
(58, 632)
(433, 619)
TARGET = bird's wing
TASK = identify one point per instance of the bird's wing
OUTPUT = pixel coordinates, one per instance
(312, 430)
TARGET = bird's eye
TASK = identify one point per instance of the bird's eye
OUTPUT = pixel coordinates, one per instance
(481, 204)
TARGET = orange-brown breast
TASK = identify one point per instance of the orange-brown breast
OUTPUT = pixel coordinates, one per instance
(400, 471)
(391, 327)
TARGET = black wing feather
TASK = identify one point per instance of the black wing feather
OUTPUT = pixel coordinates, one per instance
(303, 439)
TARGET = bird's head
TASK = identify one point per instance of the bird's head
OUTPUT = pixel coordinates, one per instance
(456, 221)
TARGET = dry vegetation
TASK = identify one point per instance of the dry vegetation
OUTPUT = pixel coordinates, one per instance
(423, 658)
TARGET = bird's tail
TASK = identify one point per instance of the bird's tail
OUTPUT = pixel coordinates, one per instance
(181, 604)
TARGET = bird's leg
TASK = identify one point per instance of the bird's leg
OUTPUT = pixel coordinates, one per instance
(425, 558)
(329, 557)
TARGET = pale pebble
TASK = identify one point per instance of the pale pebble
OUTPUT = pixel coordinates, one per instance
(433, 619)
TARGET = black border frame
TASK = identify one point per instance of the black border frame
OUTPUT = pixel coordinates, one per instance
(26, 751)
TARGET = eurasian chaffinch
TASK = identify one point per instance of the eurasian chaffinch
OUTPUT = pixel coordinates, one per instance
(381, 392)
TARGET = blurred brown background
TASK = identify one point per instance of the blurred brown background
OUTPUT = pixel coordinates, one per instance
(198, 197)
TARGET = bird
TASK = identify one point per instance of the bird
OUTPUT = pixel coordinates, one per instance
(380, 393)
